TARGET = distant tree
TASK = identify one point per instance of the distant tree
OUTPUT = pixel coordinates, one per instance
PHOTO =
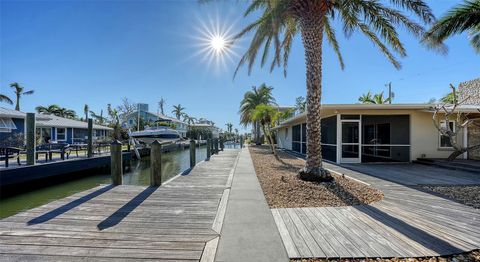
(461, 18)
(448, 98)
(19, 92)
(265, 115)
(229, 127)
(114, 122)
(125, 109)
(161, 105)
(51, 109)
(85, 111)
(5, 99)
(300, 104)
(194, 132)
(375, 99)
(178, 111)
(189, 119)
(99, 118)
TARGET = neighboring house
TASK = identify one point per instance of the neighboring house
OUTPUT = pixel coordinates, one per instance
(207, 124)
(132, 119)
(49, 127)
(470, 92)
(357, 133)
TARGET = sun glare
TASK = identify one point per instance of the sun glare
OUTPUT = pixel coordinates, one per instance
(218, 43)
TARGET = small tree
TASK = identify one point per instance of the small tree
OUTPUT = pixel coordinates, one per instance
(265, 115)
(449, 111)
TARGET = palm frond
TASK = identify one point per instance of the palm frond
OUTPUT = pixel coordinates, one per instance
(330, 33)
(6, 99)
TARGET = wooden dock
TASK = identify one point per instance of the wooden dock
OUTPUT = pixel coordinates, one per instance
(179, 221)
(406, 223)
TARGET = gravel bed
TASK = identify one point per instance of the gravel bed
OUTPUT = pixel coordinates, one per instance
(472, 256)
(282, 188)
(467, 195)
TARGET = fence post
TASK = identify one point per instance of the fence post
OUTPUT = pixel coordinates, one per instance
(156, 164)
(31, 141)
(193, 159)
(116, 165)
(90, 138)
(209, 153)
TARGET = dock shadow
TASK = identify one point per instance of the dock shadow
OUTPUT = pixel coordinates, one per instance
(69, 206)
(126, 209)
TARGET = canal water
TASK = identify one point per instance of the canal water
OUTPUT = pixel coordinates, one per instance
(173, 163)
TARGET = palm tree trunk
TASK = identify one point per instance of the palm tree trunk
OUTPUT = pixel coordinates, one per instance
(17, 106)
(270, 141)
(311, 25)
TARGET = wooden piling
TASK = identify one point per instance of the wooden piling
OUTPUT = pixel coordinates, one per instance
(222, 145)
(209, 152)
(156, 164)
(90, 138)
(193, 160)
(31, 141)
(216, 146)
(116, 165)
(241, 141)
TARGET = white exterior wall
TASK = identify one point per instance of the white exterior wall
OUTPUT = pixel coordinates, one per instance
(284, 138)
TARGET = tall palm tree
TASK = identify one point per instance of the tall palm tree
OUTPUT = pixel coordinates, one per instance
(189, 119)
(19, 92)
(6, 99)
(99, 118)
(229, 127)
(161, 105)
(461, 18)
(251, 99)
(281, 20)
(85, 111)
(178, 111)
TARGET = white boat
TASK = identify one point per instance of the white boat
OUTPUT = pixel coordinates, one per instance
(163, 134)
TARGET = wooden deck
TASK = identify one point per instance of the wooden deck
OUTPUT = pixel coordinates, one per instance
(407, 223)
(179, 221)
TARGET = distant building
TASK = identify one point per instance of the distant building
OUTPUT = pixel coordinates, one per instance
(207, 124)
(149, 117)
(48, 128)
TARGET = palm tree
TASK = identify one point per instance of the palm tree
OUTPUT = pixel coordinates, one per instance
(178, 111)
(375, 99)
(6, 99)
(51, 109)
(366, 98)
(251, 99)
(229, 127)
(19, 92)
(189, 119)
(281, 20)
(161, 104)
(67, 113)
(265, 115)
(85, 111)
(461, 18)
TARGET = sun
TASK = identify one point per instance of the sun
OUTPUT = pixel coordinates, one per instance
(218, 43)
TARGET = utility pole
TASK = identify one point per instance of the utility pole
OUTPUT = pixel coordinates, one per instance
(389, 92)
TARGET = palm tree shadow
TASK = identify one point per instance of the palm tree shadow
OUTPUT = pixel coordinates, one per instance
(413, 233)
(126, 209)
(69, 206)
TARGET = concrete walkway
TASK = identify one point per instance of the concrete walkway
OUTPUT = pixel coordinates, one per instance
(249, 232)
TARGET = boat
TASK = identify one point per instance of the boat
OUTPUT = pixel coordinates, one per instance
(163, 134)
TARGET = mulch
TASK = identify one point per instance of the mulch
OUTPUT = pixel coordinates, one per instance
(283, 189)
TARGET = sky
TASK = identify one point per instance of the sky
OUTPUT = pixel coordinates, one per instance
(74, 53)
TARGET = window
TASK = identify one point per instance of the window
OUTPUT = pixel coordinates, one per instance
(445, 140)
(61, 134)
(6, 125)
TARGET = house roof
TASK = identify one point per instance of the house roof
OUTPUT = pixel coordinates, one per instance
(380, 107)
(45, 120)
(160, 116)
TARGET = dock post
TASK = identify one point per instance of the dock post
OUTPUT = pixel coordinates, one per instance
(116, 168)
(193, 160)
(31, 141)
(241, 142)
(209, 153)
(222, 146)
(156, 164)
(216, 146)
(90, 138)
